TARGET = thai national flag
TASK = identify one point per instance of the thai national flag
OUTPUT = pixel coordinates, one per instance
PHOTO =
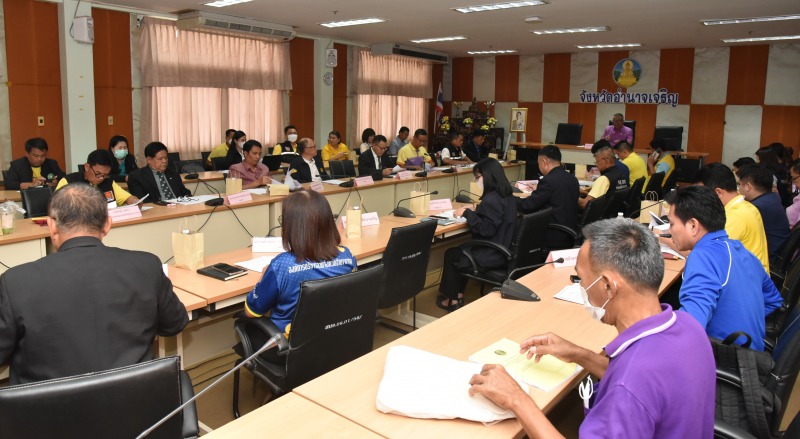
(439, 105)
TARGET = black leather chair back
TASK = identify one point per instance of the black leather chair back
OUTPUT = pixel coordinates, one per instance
(117, 403)
(654, 185)
(342, 168)
(634, 198)
(788, 254)
(405, 262)
(190, 166)
(334, 324)
(630, 124)
(569, 133)
(272, 162)
(204, 155)
(617, 203)
(529, 241)
(670, 184)
(218, 164)
(173, 161)
(594, 210)
(35, 201)
(787, 363)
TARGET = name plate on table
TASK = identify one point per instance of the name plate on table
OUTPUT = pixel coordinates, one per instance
(588, 145)
(405, 175)
(443, 204)
(124, 213)
(367, 219)
(316, 186)
(364, 181)
(570, 257)
(238, 198)
(269, 244)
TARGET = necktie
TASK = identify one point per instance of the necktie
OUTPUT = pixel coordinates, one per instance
(162, 181)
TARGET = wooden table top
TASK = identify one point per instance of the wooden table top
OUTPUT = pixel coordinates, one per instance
(539, 145)
(25, 230)
(189, 300)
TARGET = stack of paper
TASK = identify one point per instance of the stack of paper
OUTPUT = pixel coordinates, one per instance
(258, 264)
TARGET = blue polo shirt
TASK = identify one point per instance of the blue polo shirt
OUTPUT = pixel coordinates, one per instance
(279, 288)
(726, 289)
(776, 223)
(659, 383)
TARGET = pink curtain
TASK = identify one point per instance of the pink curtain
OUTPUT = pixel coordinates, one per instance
(196, 85)
(386, 114)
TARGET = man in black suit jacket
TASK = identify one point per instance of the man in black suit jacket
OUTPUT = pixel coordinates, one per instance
(474, 148)
(557, 189)
(149, 180)
(20, 174)
(88, 307)
(375, 162)
(307, 166)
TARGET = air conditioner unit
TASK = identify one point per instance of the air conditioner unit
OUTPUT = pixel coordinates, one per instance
(226, 24)
(411, 52)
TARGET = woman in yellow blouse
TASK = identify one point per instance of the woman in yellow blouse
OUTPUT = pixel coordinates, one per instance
(335, 149)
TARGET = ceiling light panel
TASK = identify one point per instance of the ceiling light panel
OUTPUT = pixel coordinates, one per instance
(758, 39)
(436, 40)
(491, 52)
(223, 3)
(719, 21)
(499, 6)
(609, 46)
(355, 22)
(576, 30)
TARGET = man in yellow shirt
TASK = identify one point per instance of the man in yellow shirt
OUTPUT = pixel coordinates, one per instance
(611, 181)
(742, 219)
(636, 165)
(95, 172)
(413, 155)
(221, 150)
(335, 149)
(660, 161)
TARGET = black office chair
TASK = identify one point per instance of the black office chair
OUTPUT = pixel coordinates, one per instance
(777, 322)
(173, 161)
(191, 166)
(654, 185)
(272, 162)
(569, 133)
(527, 249)
(116, 403)
(635, 198)
(342, 168)
(785, 258)
(334, 323)
(593, 211)
(204, 155)
(35, 201)
(5, 175)
(405, 262)
(617, 204)
(671, 182)
(723, 430)
(561, 237)
(630, 124)
(672, 136)
(219, 164)
(80, 168)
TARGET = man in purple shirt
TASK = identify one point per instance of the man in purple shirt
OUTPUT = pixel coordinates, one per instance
(617, 132)
(657, 378)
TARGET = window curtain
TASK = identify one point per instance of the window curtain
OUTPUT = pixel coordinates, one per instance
(195, 85)
(390, 92)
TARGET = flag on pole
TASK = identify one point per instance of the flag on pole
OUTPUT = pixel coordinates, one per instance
(439, 106)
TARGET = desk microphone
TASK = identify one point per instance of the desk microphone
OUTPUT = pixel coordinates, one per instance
(514, 290)
(271, 343)
(405, 213)
(465, 198)
(643, 208)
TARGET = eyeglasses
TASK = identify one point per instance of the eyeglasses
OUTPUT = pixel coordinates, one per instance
(99, 175)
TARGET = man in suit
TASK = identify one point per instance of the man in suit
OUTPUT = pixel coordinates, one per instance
(474, 148)
(155, 179)
(558, 189)
(375, 162)
(35, 169)
(87, 307)
(307, 167)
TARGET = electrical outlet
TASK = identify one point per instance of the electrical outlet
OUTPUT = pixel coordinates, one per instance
(111, 120)
(40, 121)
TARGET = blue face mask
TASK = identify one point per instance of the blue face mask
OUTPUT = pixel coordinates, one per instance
(120, 153)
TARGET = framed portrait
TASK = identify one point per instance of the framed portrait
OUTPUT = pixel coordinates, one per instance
(519, 120)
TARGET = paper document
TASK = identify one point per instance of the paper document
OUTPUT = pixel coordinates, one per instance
(666, 249)
(586, 183)
(547, 374)
(194, 199)
(571, 293)
(334, 182)
(257, 264)
(441, 168)
(258, 191)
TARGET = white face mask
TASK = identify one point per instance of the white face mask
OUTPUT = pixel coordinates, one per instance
(292, 137)
(597, 313)
(240, 144)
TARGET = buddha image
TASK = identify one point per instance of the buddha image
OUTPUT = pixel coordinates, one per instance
(627, 72)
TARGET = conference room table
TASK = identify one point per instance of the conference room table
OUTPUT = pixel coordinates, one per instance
(350, 391)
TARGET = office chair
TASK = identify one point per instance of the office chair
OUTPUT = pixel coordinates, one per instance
(173, 161)
(80, 168)
(204, 155)
(723, 430)
(635, 198)
(219, 164)
(593, 211)
(569, 133)
(785, 257)
(35, 201)
(789, 289)
(630, 124)
(334, 323)
(405, 262)
(617, 204)
(672, 136)
(120, 402)
(527, 249)
(190, 166)
(342, 168)
(5, 175)
(272, 162)
(654, 185)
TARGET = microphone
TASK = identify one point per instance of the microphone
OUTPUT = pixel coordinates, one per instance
(643, 208)
(405, 213)
(421, 174)
(271, 343)
(465, 198)
(514, 290)
(219, 201)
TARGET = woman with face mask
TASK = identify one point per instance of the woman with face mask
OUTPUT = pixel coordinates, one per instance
(494, 219)
(123, 162)
(235, 152)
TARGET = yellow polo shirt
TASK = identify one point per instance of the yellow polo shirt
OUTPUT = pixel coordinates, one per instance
(121, 195)
(408, 152)
(743, 223)
(637, 166)
(329, 151)
(219, 151)
(666, 161)
(600, 187)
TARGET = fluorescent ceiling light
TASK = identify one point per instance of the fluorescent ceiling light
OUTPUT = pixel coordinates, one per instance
(575, 30)
(534, 19)
(497, 6)
(757, 39)
(609, 46)
(434, 40)
(223, 3)
(750, 20)
(490, 52)
(355, 22)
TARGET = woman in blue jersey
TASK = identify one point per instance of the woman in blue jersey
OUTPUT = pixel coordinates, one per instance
(312, 240)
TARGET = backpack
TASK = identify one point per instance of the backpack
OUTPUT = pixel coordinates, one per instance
(751, 407)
